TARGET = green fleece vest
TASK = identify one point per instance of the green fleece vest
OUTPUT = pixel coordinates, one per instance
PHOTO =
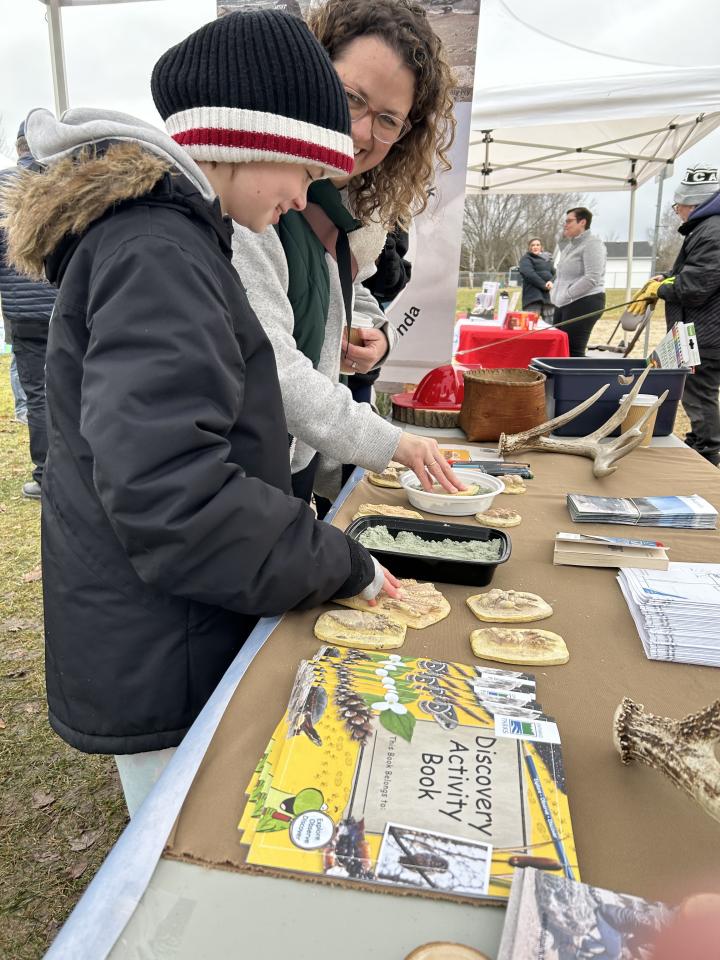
(309, 278)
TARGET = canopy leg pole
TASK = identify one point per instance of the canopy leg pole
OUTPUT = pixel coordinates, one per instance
(57, 56)
(631, 234)
(656, 238)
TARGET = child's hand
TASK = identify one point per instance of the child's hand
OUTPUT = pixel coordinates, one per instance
(391, 587)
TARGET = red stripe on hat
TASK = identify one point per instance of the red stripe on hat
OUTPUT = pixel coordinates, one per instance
(268, 142)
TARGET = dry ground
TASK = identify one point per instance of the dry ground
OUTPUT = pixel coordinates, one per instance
(60, 810)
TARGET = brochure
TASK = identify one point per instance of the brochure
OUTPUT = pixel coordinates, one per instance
(410, 772)
(677, 349)
(692, 512)
(558, 919)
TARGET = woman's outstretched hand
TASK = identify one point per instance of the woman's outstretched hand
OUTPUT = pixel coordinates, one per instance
(424, 457)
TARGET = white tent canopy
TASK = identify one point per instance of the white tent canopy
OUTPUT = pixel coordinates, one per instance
(603, 98)
(539, 139)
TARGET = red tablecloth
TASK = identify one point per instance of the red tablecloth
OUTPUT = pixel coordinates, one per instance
(511, 348)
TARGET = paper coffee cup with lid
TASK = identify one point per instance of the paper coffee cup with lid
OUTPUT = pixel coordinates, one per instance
(638, 409)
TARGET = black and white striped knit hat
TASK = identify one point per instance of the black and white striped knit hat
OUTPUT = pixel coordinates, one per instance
(698, 185)
(255, 86)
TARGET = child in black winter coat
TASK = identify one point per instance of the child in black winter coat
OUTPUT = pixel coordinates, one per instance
(168, 526)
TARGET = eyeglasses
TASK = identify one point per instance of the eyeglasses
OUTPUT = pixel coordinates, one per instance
(571, 220)
(385, 127)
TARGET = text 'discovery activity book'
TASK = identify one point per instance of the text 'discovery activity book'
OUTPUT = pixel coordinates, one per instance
(406, 772)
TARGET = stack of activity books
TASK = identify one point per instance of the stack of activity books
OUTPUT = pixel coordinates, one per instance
(558, 919)
(676, 611)
(689, 512)
(408, 772)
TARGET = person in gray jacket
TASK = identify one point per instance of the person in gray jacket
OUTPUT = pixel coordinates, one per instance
(580, 284)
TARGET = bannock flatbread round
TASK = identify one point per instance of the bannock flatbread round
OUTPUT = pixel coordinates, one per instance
(389, 476)
(540, 647)
(513, 483)
(509, 606)
(358, 628)
(386, 510)
(498, 517)
(421, 605)
(472, 490)
(445, 950)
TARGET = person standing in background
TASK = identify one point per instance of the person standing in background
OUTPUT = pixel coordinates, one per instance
(579, 289)
(691, 293)
(27, 306)
(19, 396)
(538, 273)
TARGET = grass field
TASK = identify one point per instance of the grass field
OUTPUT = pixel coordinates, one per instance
(60, 810)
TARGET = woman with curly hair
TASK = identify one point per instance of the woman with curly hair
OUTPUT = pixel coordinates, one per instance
(304, 279)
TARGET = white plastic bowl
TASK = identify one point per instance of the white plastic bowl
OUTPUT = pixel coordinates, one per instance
(453, 506)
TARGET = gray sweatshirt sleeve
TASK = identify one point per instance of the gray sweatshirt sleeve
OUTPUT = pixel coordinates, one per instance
(365, 307)
(319, 412)
(594, 257)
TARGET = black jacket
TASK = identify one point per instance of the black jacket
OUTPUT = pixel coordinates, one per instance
(694, 297)
(26, 304)
(167, 528)
(536, 271)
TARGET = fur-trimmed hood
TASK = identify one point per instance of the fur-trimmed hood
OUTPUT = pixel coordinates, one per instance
(93, 160)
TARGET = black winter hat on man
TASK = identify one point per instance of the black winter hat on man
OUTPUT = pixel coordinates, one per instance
(255, 86)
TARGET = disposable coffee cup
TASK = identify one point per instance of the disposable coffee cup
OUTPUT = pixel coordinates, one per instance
(637, 409)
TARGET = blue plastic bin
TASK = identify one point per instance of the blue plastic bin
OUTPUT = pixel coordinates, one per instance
(573, 379)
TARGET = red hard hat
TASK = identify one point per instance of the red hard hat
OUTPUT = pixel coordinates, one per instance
(441, 389)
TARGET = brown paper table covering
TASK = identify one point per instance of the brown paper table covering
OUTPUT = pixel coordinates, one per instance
(634, 831)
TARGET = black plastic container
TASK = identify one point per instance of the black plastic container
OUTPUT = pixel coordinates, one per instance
(474, 573)
(570, 380)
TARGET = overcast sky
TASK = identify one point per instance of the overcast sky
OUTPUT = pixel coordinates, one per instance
(110, 52)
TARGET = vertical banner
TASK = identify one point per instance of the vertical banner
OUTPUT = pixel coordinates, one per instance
(424, 313)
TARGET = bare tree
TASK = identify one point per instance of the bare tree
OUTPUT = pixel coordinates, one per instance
(669, 240)
(497, 227)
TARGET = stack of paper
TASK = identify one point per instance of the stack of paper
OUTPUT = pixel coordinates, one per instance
(557, 919)
(693, 512)
(676, 611)
(409, 772)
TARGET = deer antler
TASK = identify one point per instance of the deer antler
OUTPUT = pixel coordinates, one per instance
(684, 750)
(605, 455)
